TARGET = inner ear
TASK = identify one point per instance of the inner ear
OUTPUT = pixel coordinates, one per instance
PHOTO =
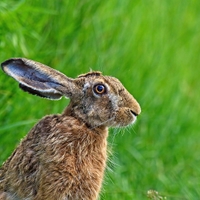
(24, 68)
(39, 79)
(43, 94)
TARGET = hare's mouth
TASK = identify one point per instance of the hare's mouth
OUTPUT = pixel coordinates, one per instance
(134, 116)
(134, 113)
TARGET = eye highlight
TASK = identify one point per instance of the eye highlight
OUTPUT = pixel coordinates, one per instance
(99, 89)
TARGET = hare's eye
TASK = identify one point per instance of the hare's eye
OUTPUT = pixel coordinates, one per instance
(99, 89)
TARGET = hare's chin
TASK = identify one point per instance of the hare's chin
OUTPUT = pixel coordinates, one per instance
(134, 119)
(127, 123)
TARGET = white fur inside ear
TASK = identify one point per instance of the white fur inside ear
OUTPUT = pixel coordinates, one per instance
(49, 93)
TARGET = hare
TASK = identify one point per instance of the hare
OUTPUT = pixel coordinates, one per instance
(63, 157)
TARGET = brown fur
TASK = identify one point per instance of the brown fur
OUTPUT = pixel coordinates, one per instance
(64, 156)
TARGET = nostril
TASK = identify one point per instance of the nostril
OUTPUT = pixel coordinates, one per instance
(134, 113)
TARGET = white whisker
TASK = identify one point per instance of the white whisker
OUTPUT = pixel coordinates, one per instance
(100, 124)
(115, 132)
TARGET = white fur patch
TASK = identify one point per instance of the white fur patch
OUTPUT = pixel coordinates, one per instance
(86, 86)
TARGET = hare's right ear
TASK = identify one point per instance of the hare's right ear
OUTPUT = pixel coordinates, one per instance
(39, 79)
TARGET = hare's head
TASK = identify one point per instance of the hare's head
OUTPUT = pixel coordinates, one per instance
(95, 99)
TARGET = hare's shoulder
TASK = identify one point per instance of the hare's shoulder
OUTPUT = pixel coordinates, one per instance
(54, 126)
(62, 127)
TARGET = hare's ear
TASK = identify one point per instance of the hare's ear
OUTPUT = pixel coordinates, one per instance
(38, 79)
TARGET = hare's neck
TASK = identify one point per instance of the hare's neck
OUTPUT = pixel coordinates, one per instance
(74, 111)
(88, 153)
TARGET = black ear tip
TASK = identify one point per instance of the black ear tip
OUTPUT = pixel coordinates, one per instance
(12, 60)
(5, 63)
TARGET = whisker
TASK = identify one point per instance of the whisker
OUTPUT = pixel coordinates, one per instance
(100, 124)
(115, 132)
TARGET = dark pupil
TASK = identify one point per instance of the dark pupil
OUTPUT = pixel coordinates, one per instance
(100, 88)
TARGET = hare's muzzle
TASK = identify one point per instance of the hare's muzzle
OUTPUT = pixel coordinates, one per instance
(134, 107)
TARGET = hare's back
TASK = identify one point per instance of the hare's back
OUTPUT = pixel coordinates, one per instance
(44, 144)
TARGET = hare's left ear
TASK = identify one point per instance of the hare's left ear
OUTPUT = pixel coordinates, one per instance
(39, 79)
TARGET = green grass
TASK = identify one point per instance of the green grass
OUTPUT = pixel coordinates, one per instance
(152, 46)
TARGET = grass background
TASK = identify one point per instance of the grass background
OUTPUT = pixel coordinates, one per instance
(152, 46)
